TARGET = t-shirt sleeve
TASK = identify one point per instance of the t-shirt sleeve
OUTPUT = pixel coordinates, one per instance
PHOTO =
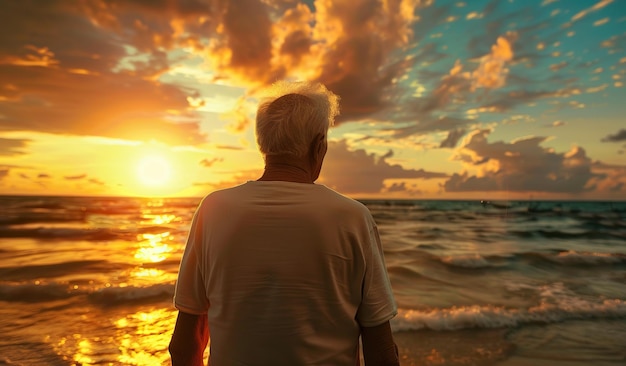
(377, 304)
(190, 292)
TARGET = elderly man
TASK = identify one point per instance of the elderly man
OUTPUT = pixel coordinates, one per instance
(283, 271)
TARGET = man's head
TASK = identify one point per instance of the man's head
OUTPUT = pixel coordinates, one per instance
(293, 116)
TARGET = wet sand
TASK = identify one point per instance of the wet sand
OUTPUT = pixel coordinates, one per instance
(464, 347)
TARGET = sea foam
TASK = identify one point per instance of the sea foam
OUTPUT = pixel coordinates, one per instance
(467, 261)
(573, 257)
(489, 316)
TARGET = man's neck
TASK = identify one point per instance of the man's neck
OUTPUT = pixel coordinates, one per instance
(287, 169)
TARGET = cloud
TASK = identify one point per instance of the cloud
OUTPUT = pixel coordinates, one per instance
(431, 124)
(77, 79)
(504, 103)
(239, 117)
(79, 177)
(455, 83)
(616, 137)
(596, 89)
(243, 42)
(296, 34)
(599, 5)
(96, 181)
(11, 147)
(492, 71)
(356, 60)
(4, 172)
(474, 15)
(36, 180)
(464, 86)
(520, 166)
(351, 47)
(460, 88)
(401, 187)
(559, 66)
(357, 172)
(75, 177)
(600, 22)
(54, 101)
(76, 44)
(453, 138)
(511, 73)
(348, 46)
(207, 163)
(613, 179)
(228, 147)
(556, 124)
(548, 2)
(615, 43)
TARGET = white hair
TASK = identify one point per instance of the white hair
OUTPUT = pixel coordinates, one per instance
(291, 115)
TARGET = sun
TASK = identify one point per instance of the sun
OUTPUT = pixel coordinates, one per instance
(154, 171)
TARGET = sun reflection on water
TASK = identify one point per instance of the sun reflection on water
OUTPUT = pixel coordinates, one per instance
(140, 338)
(153, 273)
(81, 351)
(163, 219)
(153, 247)
(84, 349)
(149, 276)
(143, 337)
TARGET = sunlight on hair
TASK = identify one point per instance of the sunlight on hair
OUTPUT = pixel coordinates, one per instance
(308, 89)
(291, 114)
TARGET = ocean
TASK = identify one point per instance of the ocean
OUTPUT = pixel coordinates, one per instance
(89, 280)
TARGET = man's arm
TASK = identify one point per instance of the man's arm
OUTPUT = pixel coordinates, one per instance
(190, 338)
(379, 348)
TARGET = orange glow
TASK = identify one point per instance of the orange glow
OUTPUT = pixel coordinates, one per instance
(141, 333)
(154, 171)
(153, 249)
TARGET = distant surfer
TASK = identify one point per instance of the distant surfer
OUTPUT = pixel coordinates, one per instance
(283, 271)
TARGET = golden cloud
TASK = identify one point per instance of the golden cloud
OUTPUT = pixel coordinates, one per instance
(492, 71)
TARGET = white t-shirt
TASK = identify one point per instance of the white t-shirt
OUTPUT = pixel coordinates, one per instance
(287, 273)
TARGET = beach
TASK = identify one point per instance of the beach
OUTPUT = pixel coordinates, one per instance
(89, 280)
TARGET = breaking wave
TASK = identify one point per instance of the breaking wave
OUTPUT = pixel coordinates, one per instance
(489, 316)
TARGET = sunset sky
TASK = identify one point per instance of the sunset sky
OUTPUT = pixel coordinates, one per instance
(501, 99)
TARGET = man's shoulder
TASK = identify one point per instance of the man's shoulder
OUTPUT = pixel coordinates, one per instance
(220, 195)
(338, 197)
(317, 194)
(343, 201)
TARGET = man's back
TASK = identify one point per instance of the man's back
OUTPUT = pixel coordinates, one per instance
(290, 271)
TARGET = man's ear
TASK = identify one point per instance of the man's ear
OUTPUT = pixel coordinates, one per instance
(317, 148)
(317, 144)
(321, 143)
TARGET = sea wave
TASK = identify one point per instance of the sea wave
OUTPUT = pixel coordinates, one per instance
(587, 258)
(476, 316)
(556, 258)
(473, 261)
(39, 271)
(24, 218)
(35, 292)
(570, 234)
(134, 294)
(575, 258)
(94, 234)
